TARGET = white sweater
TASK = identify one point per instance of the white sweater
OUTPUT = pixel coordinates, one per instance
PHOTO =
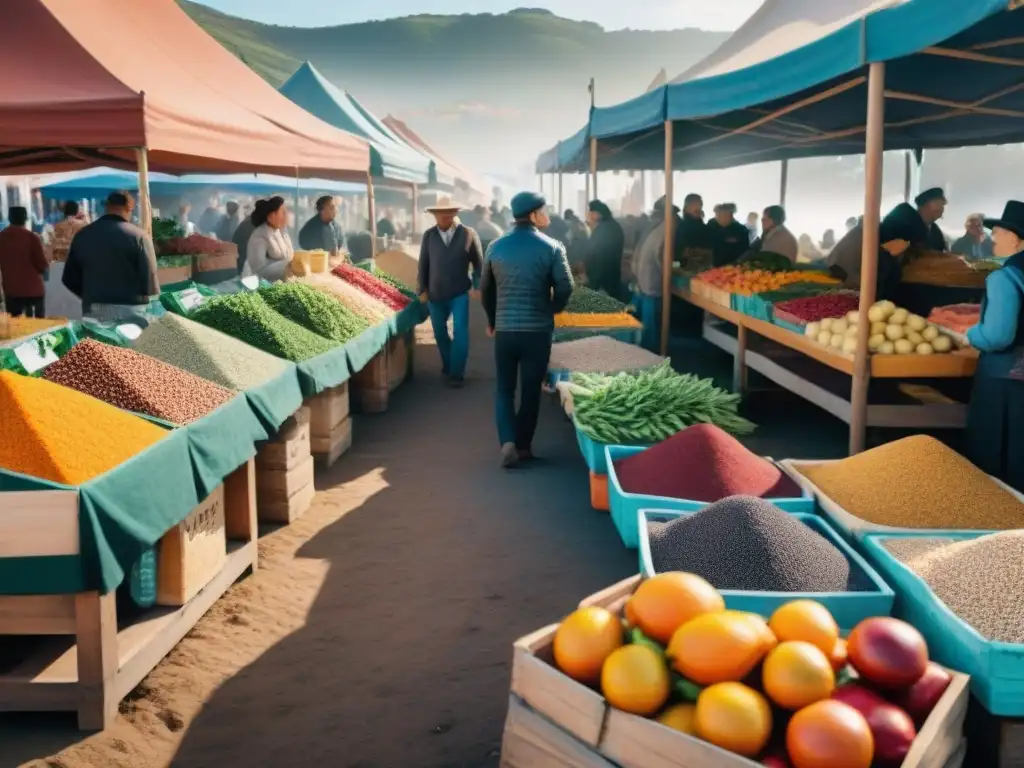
(268, 254)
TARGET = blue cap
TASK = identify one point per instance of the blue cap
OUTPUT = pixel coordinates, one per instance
(525, 203)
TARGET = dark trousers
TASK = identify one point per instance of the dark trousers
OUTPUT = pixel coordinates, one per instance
(27, 307)
(995, 428)
(520, 356)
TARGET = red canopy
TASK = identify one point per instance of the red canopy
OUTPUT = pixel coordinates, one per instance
(414, 139)
(88, 82)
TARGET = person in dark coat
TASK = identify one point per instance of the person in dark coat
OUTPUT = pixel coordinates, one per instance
(323, 232)
(729, 239)
(240, 237)
(604, 250)
(23, 263)
(995, 416)
(918, 225)
(692, 231)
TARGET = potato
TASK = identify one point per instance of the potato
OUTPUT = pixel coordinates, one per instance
(879, 312)
(851, 332)
(826, 324)
(916, 323)
(893, 332)
(914, 337)
(839, 325)
(875, 342)
(853, 317)
(878, 327)
(924, 348)
(836, 342)
(903, 347)
(812, 330)
(942, 344)
(931, 333)
(899, 317)
(887, 348)
(824, 337)
(850, 345)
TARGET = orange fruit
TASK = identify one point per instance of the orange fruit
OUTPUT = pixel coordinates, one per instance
(635, 679)
(680, 717)
(584, 640)
(808, 621)
(767, 636)
(796, 674)
(734, 717)
(627, 612)
(665, 602)
(839, 656)
(829, 734)
(717, 648)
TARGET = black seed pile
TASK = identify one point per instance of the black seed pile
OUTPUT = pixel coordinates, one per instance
(747, 543)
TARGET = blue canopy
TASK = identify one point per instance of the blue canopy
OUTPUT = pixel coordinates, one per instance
(99, 182)
(389, 157)
(568, 154)
(792, 82)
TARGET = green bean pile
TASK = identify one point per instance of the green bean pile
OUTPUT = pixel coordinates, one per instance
(588, 301)
(314, 310)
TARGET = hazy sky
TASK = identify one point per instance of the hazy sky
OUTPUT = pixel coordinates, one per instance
(612, 14)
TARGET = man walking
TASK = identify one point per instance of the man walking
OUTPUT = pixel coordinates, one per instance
(22, 266)
(526, 281)
(447, 252)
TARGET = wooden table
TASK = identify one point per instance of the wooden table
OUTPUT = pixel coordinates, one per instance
(928, 411)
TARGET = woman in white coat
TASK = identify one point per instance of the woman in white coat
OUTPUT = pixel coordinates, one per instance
(270, 248)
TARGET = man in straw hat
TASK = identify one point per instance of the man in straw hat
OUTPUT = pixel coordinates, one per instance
(447, 252)
(526, 280)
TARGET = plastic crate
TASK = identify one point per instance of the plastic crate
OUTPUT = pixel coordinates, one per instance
(799, 329)
(626, 506)
(754, 306)
(594, 452)
(996, 669)
(627, 335)
(848, 608)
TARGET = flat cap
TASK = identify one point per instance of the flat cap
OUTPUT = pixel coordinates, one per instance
(525, 203)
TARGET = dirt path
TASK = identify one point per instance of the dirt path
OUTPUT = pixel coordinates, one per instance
(378, 630)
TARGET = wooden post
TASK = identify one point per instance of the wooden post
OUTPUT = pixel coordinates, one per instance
(907, 172)
(295, 210)
(145, 204)
(666, 265)
(97, 654)
(784, 183)
(415, 209)
(873, 147)
(372, 211)
(593, 166)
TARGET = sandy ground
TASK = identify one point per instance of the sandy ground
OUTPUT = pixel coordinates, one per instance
(378, 629)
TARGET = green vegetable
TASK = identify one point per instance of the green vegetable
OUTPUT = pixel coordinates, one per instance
(394, 282)
(314, 311)
(165, 229)
(637, 637)
(771, 262)
(685, 689)
(586, 300)
(173, 261)
(651, 405)
(247, 317)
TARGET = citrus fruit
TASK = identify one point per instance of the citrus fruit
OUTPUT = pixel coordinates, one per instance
(665, 602)
(808, 621)
(584, 640)
(797, 674)
(628, 615)
(680, 717)
(734, 717)
(716, 648)
(839, 656)
(635, 679)
(829, 734)
(767, 636)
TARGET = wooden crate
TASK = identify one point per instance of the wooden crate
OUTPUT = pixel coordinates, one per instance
(290, 447)
(288, 509)
(531, 740)
(208, 262)
(89, 662)
(172, 275)
(277, 485)
(368, 389)
(192, 552)
(327, 411)
(629, 741)
(398, 362)
(329, 449)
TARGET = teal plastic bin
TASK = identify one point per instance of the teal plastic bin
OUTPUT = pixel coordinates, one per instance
(593, 451)
(848, 608)
(996, 669)
(624, 507)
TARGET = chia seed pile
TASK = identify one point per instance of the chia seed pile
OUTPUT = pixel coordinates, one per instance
(747, 543)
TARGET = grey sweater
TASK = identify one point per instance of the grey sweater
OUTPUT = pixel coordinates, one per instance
(444, 269)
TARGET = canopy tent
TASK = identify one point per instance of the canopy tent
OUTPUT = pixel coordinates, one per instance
(444, 168)
(792, 82)
(569, 155)
(97, 81)
(99, 183)
(390, 159)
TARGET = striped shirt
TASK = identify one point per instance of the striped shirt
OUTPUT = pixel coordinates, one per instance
(526, 280)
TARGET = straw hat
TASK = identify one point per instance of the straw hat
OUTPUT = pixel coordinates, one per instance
(444, 204)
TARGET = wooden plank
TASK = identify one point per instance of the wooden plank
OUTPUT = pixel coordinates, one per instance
(955, 365)
(335, 443)
(942, 733)
(615, 595)
(327, 410)
(39, 523)
(291, 445)
(192, 552)
(289, 510)
(532, 741)
(240, 504)
(635, 742)
(96, 656)
(279, 485)
(37, 615)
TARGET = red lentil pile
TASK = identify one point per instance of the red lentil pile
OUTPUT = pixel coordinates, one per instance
(703, 463)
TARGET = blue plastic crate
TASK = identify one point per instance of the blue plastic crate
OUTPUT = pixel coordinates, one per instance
(848, 608)
(142, 580)
(625, 506)
(788, 326)
(594, 452)
(996, 669)
(627, 335)
(752, 306)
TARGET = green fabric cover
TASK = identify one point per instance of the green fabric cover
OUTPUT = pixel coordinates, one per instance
(408, 318)
(330, 369)
(362, 349)
(274, 401)
(222, 441)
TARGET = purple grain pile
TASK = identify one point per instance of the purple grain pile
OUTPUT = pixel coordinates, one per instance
(136, 382)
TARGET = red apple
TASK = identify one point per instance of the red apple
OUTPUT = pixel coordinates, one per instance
(776, 760)
(920, 699)
(891, 727)
(888, 653)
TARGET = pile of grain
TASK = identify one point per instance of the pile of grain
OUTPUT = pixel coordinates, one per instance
(249, 318)
(55, 433)
(600, 354)
(370, 309)
(703, 463)
(136, 382)
(747, 543)
(208, 353)
(981, 580)
(316, 311)
(917, 482)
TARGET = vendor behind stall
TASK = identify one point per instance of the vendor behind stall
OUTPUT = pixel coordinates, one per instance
(322, 232)
(604, 250)
(995, 418)
(918, 225)
(728, 238)
(844, 261)
(269, 251)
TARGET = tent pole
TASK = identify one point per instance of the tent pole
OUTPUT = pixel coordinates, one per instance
(295, 229)
(906, 177)
(145, 204)
(415, 208)
(560, 206)
(666, 262)
(372, 209)
(873, 147)
(593, 165)
(540, 183)
(784, 183)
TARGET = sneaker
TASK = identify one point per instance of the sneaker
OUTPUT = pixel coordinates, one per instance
(456, 382)
(525, 454)
(509, 455)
